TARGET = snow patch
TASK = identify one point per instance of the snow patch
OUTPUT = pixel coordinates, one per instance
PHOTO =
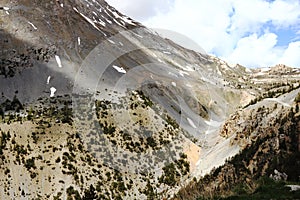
(101, 22)
(119, 69)
(57, 58)
(52, 91)
(118, 23)
(174, 84)
(48, 80)
(78, 39)
(33, 26)
(110, 22)
(89, 21)
(110, 41)
(6, 8)
(191, 123)
(155, 56)
(62, 5)
(75, 9)
(125, 19)
(182, 73)
(167, 52)
(189, 68)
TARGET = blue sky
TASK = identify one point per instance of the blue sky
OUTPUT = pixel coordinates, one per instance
(285, 36)
(254, 33)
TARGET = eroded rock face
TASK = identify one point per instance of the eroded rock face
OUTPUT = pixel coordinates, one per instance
(270, 149)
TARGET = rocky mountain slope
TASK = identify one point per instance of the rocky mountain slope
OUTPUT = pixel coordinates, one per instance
(269, 137)
(96, 106)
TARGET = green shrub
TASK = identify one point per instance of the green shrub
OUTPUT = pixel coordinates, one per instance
(30, 164)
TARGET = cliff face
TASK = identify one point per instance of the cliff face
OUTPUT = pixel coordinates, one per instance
(270, 148)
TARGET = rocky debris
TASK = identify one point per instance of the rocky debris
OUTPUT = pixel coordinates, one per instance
(278, 176)
(294, 187)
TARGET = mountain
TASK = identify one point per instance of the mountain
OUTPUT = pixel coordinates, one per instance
(269, 137)
(94, 105)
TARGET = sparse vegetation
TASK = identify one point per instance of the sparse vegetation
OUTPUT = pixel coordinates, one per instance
(173, 172)
(146, 99)
(172, 122)
(274, 92)
(297, 99)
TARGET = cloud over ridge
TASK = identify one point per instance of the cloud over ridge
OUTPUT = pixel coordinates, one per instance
(254, 33)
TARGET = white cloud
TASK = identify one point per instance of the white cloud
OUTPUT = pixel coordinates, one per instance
(285, 13)
(291, 55)
(248, 16)
(207, 26)
(254, 51)
(141, 9)
(237, 31)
